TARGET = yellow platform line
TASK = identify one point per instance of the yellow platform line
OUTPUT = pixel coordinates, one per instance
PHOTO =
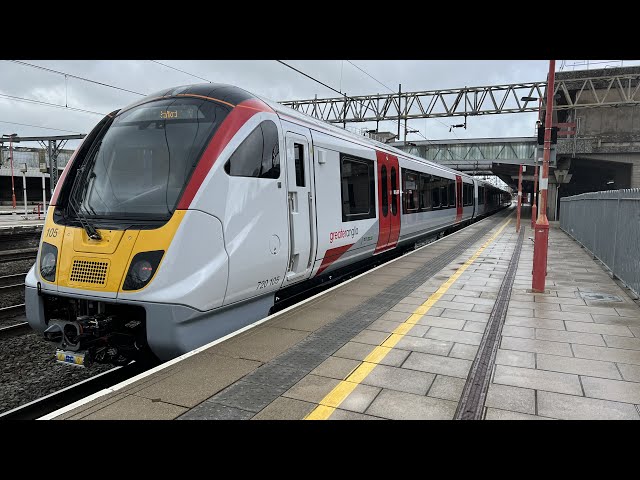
(341, 391)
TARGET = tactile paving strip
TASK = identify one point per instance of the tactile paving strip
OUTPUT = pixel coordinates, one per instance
(247, 397)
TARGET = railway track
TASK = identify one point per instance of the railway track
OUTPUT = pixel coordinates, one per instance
(19, 254)
(15, 279)
(54, 401)
(16, 329)
(11, 311)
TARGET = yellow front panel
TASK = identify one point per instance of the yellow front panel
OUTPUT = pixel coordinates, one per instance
(102, 265)
(158, 239)
(94, 269)
(54, 234)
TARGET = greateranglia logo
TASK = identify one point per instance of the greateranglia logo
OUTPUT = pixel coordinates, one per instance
(343, 234)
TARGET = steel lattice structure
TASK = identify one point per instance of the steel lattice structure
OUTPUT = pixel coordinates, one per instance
(590, 92)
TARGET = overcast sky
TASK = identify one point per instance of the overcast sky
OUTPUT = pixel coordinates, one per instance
(264, 77)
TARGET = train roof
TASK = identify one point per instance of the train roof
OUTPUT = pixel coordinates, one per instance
(233, 95)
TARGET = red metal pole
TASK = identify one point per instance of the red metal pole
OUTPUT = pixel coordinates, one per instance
(13, 190)
(519, 199)
(534, 206)
(541, 241)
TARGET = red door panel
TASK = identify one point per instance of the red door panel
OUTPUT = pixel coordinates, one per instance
(458, 198)
(395, 201)
(388, 201)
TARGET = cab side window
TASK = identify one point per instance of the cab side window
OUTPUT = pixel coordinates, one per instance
(258, 155)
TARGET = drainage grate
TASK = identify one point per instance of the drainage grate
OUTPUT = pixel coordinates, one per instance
(475, 389)
(600, 297)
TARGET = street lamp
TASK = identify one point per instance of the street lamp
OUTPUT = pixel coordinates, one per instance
(13, 190)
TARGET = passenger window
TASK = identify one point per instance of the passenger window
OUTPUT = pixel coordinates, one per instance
(385, 192)
(468, 194)
(410, 191)
(435, 190)
(394, 195)
(299, 160)
(444, 196)
(452, 193)
(425, 192)
(358, 189)
(258, 155)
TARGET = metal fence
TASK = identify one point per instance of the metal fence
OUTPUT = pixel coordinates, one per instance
(608, 225)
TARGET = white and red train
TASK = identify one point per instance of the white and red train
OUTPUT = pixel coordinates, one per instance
(181, 217)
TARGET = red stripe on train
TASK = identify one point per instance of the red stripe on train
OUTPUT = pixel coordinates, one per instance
(56, 191)
(230, 126)
(331, 256)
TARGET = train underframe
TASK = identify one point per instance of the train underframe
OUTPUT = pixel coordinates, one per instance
(89, 331)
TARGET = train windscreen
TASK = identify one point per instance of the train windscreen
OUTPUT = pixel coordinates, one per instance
(146, 157)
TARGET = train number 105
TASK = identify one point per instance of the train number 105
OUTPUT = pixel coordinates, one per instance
(52, 232)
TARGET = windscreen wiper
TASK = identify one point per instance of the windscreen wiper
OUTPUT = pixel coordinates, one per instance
(90, 229)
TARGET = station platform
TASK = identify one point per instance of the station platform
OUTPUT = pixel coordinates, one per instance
(448, 331)
(10, 219)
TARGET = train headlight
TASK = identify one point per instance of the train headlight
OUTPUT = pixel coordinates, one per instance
(48, 261)
(142, 268)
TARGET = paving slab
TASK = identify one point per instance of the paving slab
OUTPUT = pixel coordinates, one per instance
(359, 351)
(396, 405)
(516, 331)
(336, 367)
(133, 407)
(516, 359)
(262, 343)
(283, 408)
(401, 379)
(618, 330)
(569, 337)
(470, 338)
(447, 388)
(570, 407)
(312, 388)
(437, 364)
(200, 377)
(615, 390)
(514, 399)
(537, 379)
(578, 366)
(360, 398)
(496, 414)
(622, 342)
(431, 321)
(463, 350)
(630, 373)
(535, 346)
(340, 414)
(607, 354)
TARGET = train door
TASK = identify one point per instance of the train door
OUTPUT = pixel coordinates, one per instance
(458, 198)
(388, 201)
(300, 200)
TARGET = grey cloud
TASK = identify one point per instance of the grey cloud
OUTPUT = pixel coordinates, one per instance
(264, 77)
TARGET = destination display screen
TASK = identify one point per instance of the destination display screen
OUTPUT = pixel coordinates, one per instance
(163, 112)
